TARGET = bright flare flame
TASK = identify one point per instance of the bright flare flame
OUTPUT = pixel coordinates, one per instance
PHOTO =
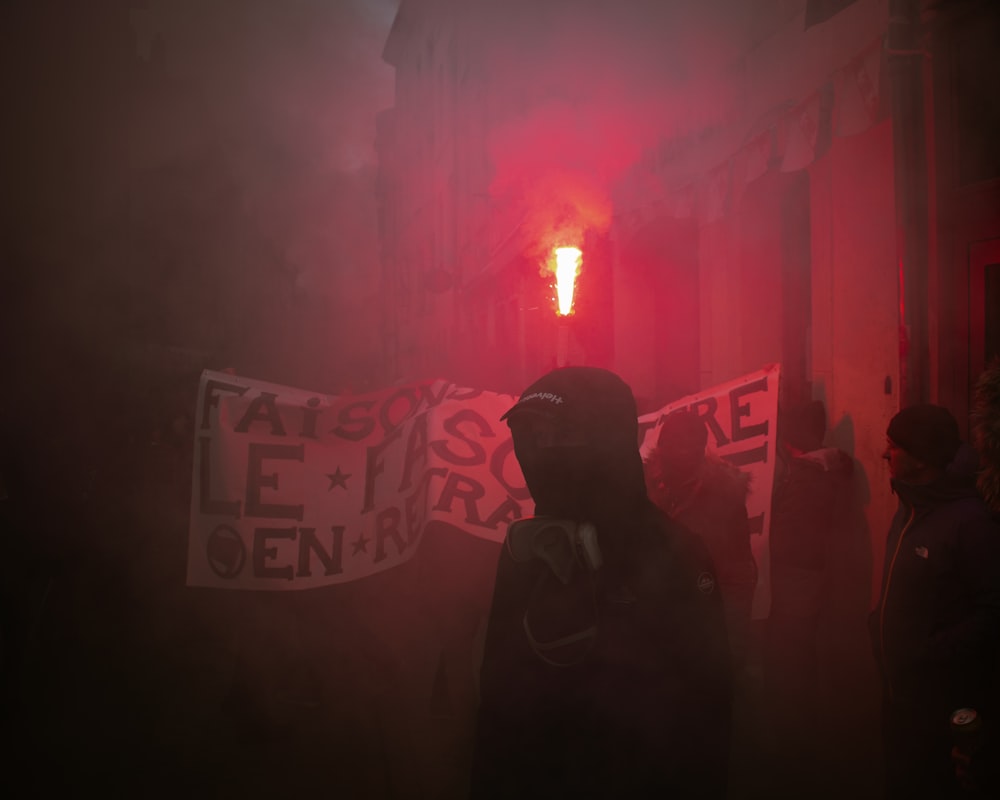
(567, 268)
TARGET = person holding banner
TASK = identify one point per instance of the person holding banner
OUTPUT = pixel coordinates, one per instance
(813, 528)
(606, 669)
(708, 495)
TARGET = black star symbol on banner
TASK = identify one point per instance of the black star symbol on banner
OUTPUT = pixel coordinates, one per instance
(360, 545)
(338, 478)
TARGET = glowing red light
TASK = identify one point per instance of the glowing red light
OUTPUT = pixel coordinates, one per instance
(567, 267)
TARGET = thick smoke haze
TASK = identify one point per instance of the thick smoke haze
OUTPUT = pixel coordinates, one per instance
(303, 72)
(599, 85)
(195, 175)
(191, 184)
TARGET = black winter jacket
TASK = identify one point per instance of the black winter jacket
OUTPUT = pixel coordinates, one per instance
(936, 626)
(810, 507)
(641, 708)
(646, 713)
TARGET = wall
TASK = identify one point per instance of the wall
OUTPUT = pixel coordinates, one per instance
(855, 310)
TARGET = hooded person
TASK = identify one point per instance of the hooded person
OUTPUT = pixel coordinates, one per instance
(936, 625)
(606, 667)
(708, 495)
(810, 499)
(816, 542)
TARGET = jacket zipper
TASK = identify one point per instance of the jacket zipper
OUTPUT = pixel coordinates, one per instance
(885, 598)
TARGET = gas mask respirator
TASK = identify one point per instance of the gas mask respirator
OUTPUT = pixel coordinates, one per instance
(560, 620)
(564, 545)
(556, 462)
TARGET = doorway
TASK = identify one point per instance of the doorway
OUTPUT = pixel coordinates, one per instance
(984, 306)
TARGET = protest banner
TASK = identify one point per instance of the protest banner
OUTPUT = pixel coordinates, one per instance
(295, 490)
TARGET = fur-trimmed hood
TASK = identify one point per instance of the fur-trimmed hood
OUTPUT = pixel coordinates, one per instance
(986, 433)
(715, 471)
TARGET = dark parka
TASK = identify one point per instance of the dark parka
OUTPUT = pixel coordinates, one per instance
(936, 626)
(644, 709)
(713, 504)
(986, 435)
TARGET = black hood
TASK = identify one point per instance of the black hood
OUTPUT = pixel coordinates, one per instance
(575, 433)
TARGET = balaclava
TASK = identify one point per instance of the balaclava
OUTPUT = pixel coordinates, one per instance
(680, 448)
(803, 426)
(575, 433)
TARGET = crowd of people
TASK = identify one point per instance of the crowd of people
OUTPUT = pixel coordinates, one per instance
(622, 658)
(620, 654)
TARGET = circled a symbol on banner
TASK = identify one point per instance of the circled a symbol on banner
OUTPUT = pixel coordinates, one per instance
(706, 583)
(225, 552)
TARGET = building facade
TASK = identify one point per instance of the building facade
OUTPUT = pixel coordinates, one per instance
(829, 199)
